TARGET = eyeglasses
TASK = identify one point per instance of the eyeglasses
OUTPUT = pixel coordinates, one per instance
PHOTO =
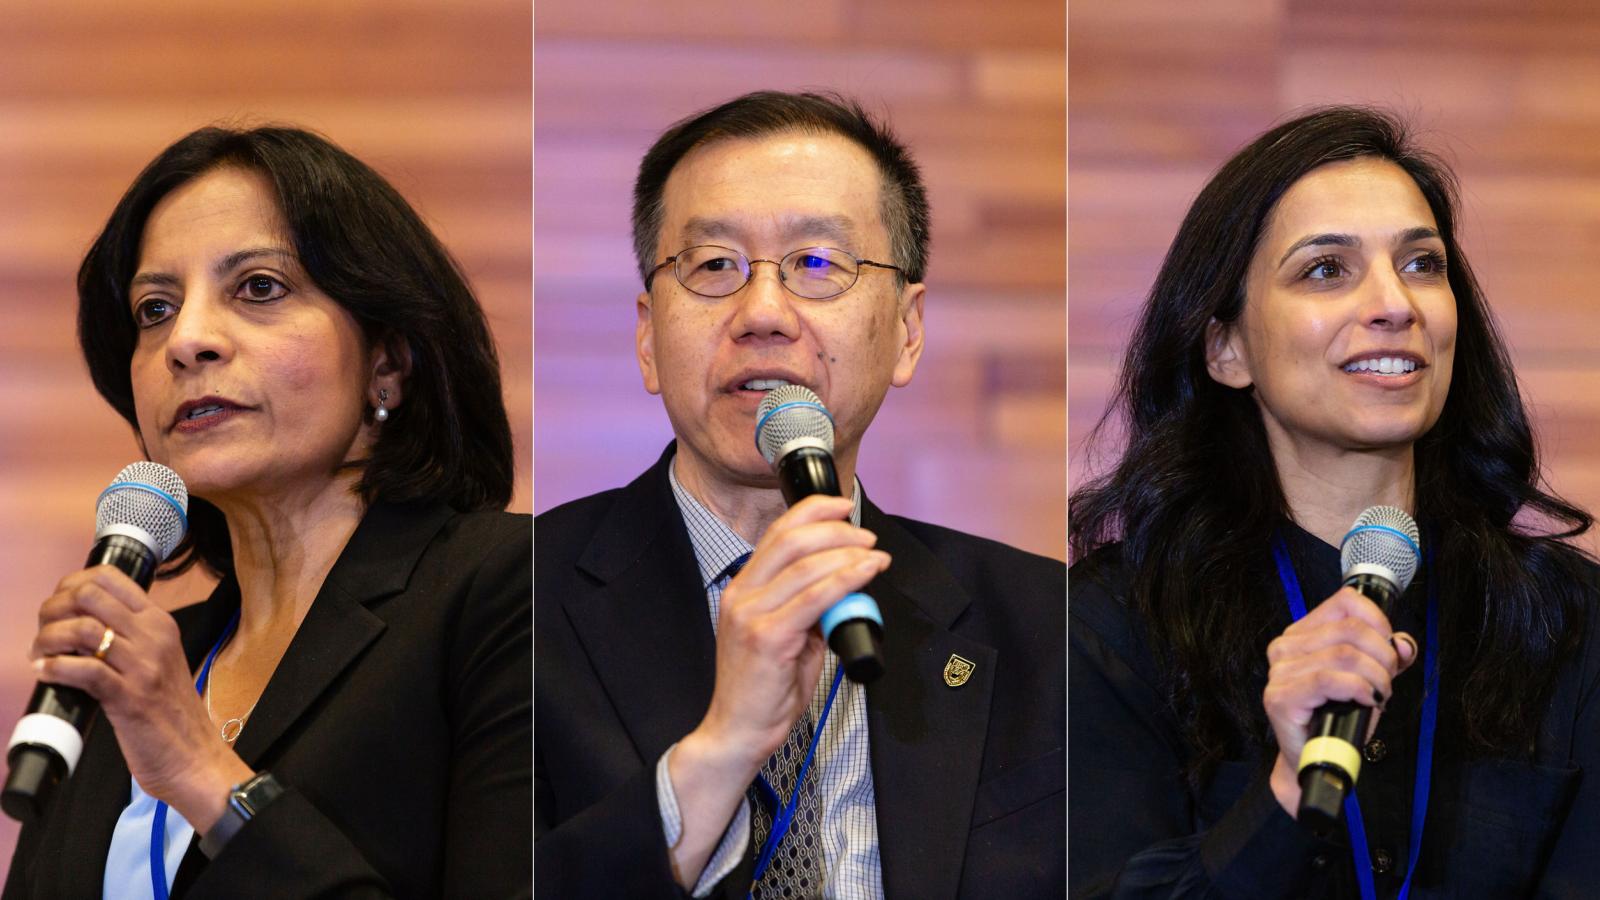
(815, 273)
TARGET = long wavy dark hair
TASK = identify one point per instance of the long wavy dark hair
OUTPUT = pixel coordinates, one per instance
(1194, 499)
(369, 251)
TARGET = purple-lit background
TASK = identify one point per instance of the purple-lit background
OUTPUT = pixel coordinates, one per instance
(436, 97)
(977, 442)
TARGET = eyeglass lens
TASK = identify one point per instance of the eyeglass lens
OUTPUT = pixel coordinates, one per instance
(815, 273)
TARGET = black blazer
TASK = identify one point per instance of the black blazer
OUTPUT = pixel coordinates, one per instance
(969, 781)
(398, 720)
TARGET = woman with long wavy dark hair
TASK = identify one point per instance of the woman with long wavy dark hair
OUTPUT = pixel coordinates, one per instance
(1315, 344)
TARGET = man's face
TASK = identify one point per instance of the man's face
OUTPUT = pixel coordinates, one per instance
(765, 197)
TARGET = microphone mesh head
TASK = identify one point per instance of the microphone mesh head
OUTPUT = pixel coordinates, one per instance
(1384, 536)
(787, 413)
(149, 496)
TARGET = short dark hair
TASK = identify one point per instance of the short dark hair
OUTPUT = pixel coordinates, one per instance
(369, 251)
(904, 202)
(1194, 501)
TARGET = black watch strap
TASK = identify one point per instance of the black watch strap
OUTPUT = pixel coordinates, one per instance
(244, 802)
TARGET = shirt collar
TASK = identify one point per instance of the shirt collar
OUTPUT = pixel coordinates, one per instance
(716, 545)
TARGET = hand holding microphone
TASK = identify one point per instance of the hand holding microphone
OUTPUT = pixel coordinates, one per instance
(139, 521)
(795, 434)
(1333, 668)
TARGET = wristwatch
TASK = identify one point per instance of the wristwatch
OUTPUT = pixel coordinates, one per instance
(244, 802)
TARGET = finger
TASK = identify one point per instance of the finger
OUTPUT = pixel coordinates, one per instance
(779, 551)
(92, 598)
(1352, 631)
(117, 584)
(1296, 701)
(85, 673)
(809, 570)
(81, 634)
(1304, 672)
(1345, 603)
(1405, 647)
(815, 508)
(104, 581)
(807, 606)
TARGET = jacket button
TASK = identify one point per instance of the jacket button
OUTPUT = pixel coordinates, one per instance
(1320, 861)
(1382, 862)
(1375, 750)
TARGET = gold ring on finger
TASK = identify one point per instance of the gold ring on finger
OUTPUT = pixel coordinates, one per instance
(105, 643)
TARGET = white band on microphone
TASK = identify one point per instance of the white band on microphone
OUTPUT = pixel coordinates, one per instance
(128, 529)
(1378, 569)
(49, 731)
(804, 440)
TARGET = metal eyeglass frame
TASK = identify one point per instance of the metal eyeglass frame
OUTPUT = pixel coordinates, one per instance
(750, 270)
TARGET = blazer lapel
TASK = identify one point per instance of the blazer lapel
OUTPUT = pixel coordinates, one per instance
(647, 629)
(927, 737)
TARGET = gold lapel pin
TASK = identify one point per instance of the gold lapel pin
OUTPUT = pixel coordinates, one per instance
(958, 670)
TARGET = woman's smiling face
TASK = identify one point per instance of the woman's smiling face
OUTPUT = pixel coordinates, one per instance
(1349, 323)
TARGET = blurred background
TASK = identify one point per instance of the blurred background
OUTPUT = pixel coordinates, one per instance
(436, 97)
(977, 441)
(1162, 93)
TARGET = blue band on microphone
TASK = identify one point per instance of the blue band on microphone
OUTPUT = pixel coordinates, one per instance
(853, 606)
(1415, 550)
(790, 405)
(172, 501)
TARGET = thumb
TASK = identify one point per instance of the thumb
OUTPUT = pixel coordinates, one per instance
(1406, 646)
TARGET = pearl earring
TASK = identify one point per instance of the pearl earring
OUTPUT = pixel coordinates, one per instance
(382, 412)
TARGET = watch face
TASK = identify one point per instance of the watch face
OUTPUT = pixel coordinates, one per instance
(252, 796)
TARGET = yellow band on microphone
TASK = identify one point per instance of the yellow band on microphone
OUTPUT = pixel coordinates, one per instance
(1332, 751)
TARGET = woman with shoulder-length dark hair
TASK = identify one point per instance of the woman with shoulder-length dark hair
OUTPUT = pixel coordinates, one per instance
(1315, 344)
(349, 714)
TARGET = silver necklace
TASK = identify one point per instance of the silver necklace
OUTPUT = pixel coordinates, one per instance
(232, 727)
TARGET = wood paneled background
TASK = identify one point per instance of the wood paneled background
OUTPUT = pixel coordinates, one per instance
(435, 96)
(1161, 93)
(977, 90)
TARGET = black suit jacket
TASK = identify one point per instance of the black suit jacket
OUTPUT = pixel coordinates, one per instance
(969, 780)
(398, 719)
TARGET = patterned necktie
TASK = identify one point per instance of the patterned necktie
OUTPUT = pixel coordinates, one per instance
(795, 870)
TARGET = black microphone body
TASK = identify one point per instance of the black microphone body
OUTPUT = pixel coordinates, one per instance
(1324, 784)
(808, 470)
(36, 770)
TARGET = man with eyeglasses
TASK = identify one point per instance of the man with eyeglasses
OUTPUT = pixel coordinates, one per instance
(681, 680)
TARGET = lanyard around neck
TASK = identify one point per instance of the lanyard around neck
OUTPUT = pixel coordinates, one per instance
(158, 822)
(784, 813)
(1430, 719)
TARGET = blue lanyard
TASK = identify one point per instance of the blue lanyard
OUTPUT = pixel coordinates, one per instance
(158, 823)
(1430, 719)
(780, 822)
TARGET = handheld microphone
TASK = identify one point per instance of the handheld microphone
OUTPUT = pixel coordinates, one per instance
(795, 434)
(139, 520)
(1379, 556)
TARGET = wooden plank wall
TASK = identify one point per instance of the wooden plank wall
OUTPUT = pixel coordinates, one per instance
(435, 96)
(1162, 93)
(977, 441)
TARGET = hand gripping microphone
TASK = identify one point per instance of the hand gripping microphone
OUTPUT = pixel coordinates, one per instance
(139, 520)
(795, 434)
(1379, 556)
